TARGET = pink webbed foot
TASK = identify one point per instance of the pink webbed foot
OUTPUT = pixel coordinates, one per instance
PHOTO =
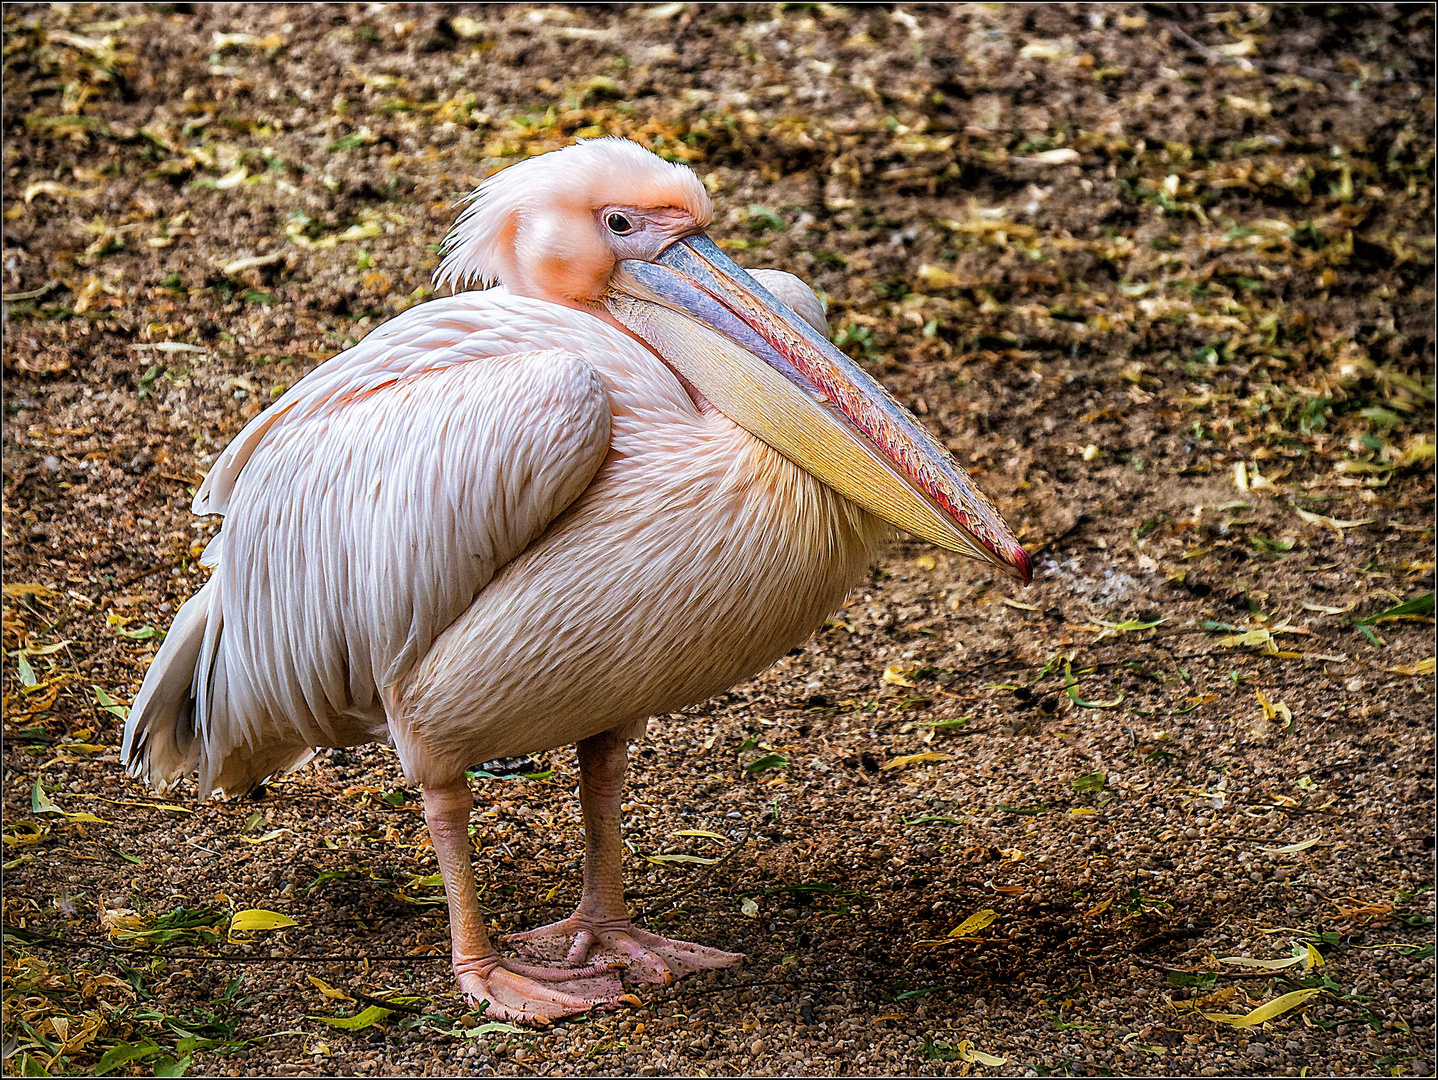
(536, 993)
(647, 958)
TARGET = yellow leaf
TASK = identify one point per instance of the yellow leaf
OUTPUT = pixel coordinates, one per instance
(467, 28)
(1423, 451)
(1062, 156)
(903, 761)
(232, 179)
(57, 191)
(1423, 667)
(1044, 50)
(265, 838)
(897, 676)
(1265, 965)
(25, 834)
(28, 590)
(366, 231)
(1235, 48)
(1289, 849)
(253, 919)
(1275, 1008)
(1015, 604)
(1362, 467)
(699, 832)
(1315, 958)
(327, 990)
(1333, 523)
(1263, 701)
(974, 923)
(936, 277)
(1260, 638)
(978, 1057)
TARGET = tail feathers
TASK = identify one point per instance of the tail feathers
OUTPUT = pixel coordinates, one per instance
(183, 723)
(162, 740)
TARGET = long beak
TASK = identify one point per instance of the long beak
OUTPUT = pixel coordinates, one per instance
(771, 373)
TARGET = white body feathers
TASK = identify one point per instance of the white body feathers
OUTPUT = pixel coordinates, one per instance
(495, 526)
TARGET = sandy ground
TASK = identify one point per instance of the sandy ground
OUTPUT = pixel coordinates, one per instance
(1161, 277)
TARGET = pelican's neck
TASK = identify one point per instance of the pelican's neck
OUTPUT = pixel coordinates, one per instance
(600, 312)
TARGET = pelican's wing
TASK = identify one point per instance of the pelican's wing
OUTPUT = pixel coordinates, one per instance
(369, 506)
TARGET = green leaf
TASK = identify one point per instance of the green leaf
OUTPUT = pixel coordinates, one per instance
(1071, 686)
(493, 1027)
(1131, 624)
(142, 634)
(365, 1018)
(1366, 631)
(328, 876)
(763, 218)
(26, 672)
(765, 763)
(40, 803)
(125, 1053)
(938, 1051)
(348, 142)
(1092, 782)
(109, 704)
(1415, 608)
(1026, 811)
(30, 1066)
(1263, 543)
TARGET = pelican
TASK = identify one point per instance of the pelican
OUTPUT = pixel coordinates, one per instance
(624, 478)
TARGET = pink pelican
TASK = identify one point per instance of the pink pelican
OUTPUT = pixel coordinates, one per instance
(627, 478)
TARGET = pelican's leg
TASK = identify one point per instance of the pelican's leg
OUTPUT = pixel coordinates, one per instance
(515, 991)
(601, 922)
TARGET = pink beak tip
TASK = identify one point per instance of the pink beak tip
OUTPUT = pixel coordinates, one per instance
(1023, 564)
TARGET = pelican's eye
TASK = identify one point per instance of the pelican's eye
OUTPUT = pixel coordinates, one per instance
(619, 225)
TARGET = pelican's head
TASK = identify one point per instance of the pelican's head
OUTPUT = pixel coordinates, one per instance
(608, 226)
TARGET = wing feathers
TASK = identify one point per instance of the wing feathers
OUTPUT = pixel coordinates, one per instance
(359, 530)
(368, 507)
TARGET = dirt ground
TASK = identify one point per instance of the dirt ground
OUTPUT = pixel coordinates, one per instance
(1162, 277)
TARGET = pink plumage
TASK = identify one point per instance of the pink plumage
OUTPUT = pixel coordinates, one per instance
(506, 522)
